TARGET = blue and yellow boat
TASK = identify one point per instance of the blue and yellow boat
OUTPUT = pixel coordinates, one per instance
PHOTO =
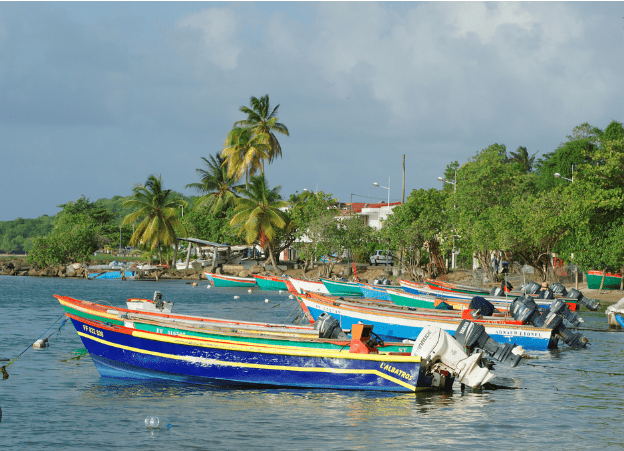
(122, 351)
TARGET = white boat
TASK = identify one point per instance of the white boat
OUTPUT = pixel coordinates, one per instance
(615, 314)
(301, 286)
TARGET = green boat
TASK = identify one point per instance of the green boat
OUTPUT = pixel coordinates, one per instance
(413, 300)
(270, 282)
(339, 288)
(612, 281)
(220, 280)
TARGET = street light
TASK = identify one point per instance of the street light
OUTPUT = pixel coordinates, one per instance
(559, 176)
(385, 187)
(442, 179)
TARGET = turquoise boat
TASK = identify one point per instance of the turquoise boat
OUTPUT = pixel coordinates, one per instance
(339, 288)
(419, 301)
(220, 280)
(271, 283)
(112, 275)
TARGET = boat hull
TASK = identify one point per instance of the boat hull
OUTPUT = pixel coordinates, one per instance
(230, 281)
(301, 286)
(271, 283)
(612, 281)
(125, 353)
(112, 275)
(373, 292)
(337, 288)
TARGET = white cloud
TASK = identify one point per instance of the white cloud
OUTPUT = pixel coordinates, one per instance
(211, 35)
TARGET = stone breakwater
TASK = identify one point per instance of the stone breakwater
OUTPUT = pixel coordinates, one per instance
(20, 267)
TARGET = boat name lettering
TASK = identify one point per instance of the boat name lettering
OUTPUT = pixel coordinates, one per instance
(169, 332)
(93, 331)
(393, 370)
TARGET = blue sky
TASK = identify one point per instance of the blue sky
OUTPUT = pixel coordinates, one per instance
(96, 96)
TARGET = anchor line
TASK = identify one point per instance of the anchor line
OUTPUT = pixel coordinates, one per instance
(5, 375)
(609, 373)
(284, 320)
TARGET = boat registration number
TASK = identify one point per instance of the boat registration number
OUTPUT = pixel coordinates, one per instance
(93, 331)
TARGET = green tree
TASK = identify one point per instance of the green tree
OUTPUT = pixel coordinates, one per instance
(259, 214)
(415, 229)
(243, 154)
(157, 210)
(264, 123)
(522, 157)
(217, 189)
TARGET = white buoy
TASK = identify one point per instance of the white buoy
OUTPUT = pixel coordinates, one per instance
(290, 296)
(280, 291)
(236, 297)
(250, 291)
(267, 301)
(208, 287)
(40, 343)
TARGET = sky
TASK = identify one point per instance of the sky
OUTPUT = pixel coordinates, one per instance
(97, 96)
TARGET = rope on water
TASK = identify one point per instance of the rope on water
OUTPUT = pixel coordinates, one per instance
(5, 375)
(609, 373)
(284, 320)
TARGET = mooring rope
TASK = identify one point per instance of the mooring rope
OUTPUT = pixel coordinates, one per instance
(284, 320)
(575, 370)
(5, 375)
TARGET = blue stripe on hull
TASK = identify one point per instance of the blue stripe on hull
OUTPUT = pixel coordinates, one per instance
(398, 332)
(120, 355)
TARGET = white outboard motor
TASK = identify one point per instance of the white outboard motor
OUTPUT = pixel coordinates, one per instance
(442, 354)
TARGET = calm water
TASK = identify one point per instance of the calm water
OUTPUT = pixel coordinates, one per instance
(567, 400)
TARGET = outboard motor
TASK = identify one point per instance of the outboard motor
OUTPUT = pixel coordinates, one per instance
(443, 355)
(506, 286)
(558, 289)
(473, 336)
(553, 321)
(560, 307)
(329, 327)
(524, 309)
(376, 282)
(576, 295)
(532, 288)
(546, 294)
(485, 307)
(497, 292)
(158, 300)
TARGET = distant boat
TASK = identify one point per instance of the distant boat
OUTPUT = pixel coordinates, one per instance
(220, 280)
(112, 274)
(273, 283)
(300, 285)
(342, 288)
(612, 281)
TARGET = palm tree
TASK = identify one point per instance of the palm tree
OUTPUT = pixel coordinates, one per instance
(522, 156)
(264, 122)
(243, 154)
(157, 210)
(218, 189)
(260, 214)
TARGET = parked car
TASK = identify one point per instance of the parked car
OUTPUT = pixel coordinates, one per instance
(381, 258)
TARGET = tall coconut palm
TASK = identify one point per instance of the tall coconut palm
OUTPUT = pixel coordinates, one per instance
(259, 213)
(522, 156)
(264, 123)
(217, 188)
(242, 153)
(157, 211)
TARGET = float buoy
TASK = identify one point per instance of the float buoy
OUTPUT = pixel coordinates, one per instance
(236, 297)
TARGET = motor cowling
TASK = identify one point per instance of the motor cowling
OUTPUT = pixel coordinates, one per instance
(329, 327)
(524, 309)
(440, 353)
(545, 294)
(576, 295)
(560, 307)
(532, 288)
(473, 336)
(496, 291)
(558, 289)
(484, 307)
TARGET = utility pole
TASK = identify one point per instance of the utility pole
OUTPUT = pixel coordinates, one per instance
(403, 192)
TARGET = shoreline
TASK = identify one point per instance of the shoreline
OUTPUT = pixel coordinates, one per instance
(11, 265)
